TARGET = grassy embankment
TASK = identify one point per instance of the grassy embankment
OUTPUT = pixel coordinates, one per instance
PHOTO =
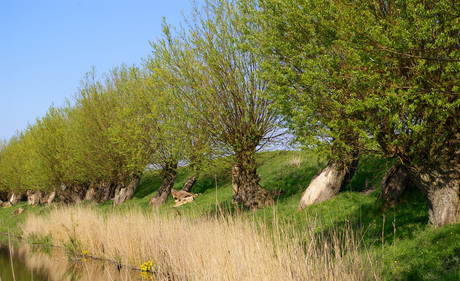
(345, 238)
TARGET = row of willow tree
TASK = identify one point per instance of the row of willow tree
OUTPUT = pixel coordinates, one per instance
(349, 78)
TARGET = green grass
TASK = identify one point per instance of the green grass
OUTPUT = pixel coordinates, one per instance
(11, 223)
(400, 238)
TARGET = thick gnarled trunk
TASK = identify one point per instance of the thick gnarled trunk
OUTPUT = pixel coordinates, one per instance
(72, 194)
(169, 174)
(190, 182)
(123, 193)
(195, 165)
(105, 191)
(14, 198)
(33, 198)
(51, 197)
(440, 184)
(245, 183)
(393, 185)
(328, 182)
(101, 192)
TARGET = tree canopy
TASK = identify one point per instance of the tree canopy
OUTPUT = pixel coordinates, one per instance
(380, 76)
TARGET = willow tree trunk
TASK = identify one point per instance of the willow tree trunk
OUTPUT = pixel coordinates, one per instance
(195, 165)
(123, 193)
(169, 174)
(105, 191)
(73, 194)
(32, 198)
(440, 184)
(101, 192)
(190, 182)
(328, 182)
(393, 185)
(43, 196)
(14, 198)
(245, 183)
(51, 198)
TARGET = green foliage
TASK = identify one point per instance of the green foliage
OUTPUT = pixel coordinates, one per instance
(383, 76)
(73, 246)
(217, 79)
(45, 241)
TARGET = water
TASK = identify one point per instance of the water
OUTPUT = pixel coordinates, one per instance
(49, 263)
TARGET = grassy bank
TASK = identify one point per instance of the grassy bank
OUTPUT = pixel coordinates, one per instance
(346, 238)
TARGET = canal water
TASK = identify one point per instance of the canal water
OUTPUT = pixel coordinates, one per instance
(23, 262)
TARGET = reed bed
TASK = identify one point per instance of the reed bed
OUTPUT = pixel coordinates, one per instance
(222, 247)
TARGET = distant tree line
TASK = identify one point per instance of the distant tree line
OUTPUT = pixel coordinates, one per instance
(349, 78)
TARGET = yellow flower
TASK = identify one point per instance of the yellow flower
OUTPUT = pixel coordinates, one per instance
(85, 252)
(147, 266)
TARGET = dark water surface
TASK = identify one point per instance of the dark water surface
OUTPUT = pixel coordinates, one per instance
(49, 263)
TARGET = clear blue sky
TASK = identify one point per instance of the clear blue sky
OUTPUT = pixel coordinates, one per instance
(46, 46)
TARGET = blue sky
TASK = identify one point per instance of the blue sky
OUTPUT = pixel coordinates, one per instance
(47, 46)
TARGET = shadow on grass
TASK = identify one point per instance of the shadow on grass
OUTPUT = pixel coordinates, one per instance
(437, 255)
(149, 183)
(290, 173)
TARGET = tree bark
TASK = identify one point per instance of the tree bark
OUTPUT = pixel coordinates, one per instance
(51, 198)
(101, 192)
(195, 164)
(91, 192)
(245, 183)
(14, 198)
(32, 198)
(43, 196)
(73, 194)
(123, 193)
(190, 182)
(393, 185)
(105, 191)
(328, 182)
(169, 174)
(440, 184)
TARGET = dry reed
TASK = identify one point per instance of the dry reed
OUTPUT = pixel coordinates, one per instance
(296, 160)
(209, 248)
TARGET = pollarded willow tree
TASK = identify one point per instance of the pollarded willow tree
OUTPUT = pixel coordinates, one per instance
(148, 130)
(309, 89)
(105, 160)
(218, 75)
(35, 161)
(131, 133)
(49, 152)
(3, 187)
(14, 164)
(97, 162)
(169, 139)
(195, 143)
(391, 67)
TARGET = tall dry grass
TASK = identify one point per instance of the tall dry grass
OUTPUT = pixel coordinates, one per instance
(209, 248)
